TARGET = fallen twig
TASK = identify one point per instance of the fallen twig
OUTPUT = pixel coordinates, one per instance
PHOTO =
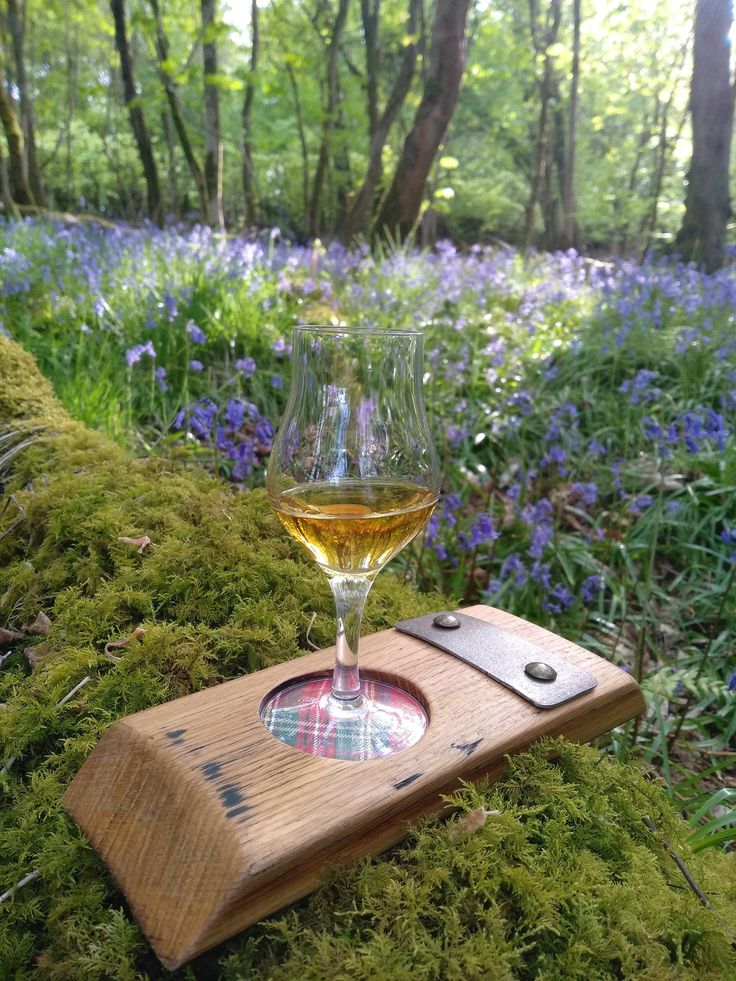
(19, 885)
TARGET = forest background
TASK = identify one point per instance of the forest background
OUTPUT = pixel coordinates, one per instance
(571, 128)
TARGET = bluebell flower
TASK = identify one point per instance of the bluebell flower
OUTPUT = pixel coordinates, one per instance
(558, 600)
(235, 414)
(160, 374)
(541, 537)
(170, 304)
(596, 448)
(590, 587)
(431, 529)
(134, 354)
(280, 347)
(451, 504)
(195, 365)
(732, 682)
(588, 493)
(246, 366)
(277, 381)
(640, 503)
(513, 566)
(195, 333)
(482, 531)
(263, 431)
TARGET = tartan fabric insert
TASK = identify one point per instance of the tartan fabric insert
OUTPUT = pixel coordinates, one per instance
(392, 720)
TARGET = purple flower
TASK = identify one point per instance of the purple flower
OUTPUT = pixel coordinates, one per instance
(170, 304)
(513, 566)
(432, 529)
(590, 587)
(728, 537)
(277, 381)
(235, 414)
(559, 599)
(280, 348)
(246, 366)
(732, 682)
(640, 503)
(451, 504)
(263, 431)
(588, 493)
(160, 374)
(541, 537)
(134, 354)
(482, 531)
(595, 448)
(195, 365)
(195, 332)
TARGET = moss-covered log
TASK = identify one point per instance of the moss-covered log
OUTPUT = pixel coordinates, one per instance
(565, 881)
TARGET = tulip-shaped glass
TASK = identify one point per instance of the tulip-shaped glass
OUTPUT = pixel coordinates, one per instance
(353, 477)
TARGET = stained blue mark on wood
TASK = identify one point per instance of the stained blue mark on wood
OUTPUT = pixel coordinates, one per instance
(211, 770)
(406, 781)
(235, 811)
(230, 795)
(175, 734)
(467, 748)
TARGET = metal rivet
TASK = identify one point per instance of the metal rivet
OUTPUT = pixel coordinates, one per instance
(540, 671)
(448, 621)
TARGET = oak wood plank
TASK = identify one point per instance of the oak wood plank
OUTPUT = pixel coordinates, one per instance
(208, 823)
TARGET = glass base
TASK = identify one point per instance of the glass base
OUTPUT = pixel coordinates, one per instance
(381, 721)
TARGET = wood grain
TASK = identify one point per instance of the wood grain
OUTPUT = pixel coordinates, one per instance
(208, 823)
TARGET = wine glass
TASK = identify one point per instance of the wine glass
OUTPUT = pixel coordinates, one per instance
(353, 477)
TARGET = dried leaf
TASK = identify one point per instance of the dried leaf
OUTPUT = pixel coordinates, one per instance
(41, 625)
(112, 645)
(140, 543)
(473, 821)
(9, 637)
(36, 655)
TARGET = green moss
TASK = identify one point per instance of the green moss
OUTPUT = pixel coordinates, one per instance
(566, 882)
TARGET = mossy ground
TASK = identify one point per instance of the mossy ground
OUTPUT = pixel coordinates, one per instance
(565, 882)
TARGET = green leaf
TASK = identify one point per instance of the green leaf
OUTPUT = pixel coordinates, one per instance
(224, 82)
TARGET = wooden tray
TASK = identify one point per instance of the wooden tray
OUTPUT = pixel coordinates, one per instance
(208, 823)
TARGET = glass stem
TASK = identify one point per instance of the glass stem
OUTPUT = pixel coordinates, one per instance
(350, 594)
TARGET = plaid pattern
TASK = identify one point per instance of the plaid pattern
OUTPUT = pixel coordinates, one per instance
(390, 721)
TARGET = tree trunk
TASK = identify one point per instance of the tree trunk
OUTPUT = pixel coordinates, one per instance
(302, 137)
(328, 127)
(174, 203)
(16, 20)
(177, 114)
(135, 112)
(401, 206)
(249, 192)
(20, 190)
(6, 197)
(370, 15)
(541, 45)
(361, 202)
(649, 224)
(569, 220)
(212, 146)
(707, 204)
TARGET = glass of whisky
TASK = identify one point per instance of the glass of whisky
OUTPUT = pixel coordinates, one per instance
(353, 477)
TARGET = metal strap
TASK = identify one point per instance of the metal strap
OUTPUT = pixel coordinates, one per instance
(541, 677)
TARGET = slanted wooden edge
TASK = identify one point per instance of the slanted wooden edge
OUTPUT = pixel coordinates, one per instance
(208, 823)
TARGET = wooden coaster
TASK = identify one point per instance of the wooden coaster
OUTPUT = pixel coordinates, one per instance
(208, 823)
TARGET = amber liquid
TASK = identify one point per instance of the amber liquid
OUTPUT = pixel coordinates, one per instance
(356, 525)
